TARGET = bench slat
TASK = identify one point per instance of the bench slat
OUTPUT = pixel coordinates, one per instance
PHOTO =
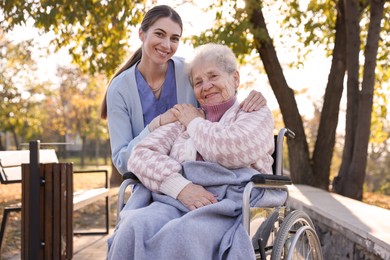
(16, 158)
(13, 174)
(11, 161)
(85, 197)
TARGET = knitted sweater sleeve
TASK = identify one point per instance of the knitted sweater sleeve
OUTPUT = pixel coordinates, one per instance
(240, 140)
(151, 163)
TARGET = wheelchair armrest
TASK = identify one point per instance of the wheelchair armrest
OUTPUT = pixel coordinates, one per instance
(129, 179)
(129, 175)
(271, 179)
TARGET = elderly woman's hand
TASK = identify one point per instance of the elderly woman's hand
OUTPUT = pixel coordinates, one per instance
(185, 113)
(167, 117)
(194, 196)
(253, 102)
(163, 119)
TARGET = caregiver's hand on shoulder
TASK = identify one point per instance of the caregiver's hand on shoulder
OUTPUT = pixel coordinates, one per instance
(194, 196)
(185, 113)
(254, 101)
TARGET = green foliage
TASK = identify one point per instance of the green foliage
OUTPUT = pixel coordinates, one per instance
(30, 109)
(385, 189)
(96, 33)
(380, 127)
(231, 27)
(20, 91)
(378, 165)
(312, 25)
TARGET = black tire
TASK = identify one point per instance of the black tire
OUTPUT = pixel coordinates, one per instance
(265, 235)
(297, 236)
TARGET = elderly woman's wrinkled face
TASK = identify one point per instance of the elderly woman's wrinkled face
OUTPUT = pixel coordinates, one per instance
(212, 85)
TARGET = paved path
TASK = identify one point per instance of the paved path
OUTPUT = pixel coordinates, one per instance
(90, 247)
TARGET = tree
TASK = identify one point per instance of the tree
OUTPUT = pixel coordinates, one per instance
(360, 98)
(20, 91)
(245, 29)
(96, 33)
(75, 107)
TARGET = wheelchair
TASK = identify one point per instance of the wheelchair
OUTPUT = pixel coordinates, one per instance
(276, 233)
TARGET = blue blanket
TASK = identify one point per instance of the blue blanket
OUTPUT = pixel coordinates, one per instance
(156, 226)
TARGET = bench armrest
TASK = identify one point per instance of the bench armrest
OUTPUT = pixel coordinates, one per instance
(107, 183)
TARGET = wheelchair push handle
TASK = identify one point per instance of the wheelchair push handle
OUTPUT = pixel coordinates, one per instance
(279, 148)
(286, 132)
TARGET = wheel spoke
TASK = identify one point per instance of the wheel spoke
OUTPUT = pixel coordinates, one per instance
(297, 239)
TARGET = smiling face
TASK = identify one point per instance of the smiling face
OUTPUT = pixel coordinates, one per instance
(213, 85)
(161, 40)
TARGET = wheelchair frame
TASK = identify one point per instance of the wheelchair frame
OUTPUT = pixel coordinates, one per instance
(284, 234)
(294, 235)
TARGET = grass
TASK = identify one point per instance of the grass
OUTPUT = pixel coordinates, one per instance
(377, 199)
(91, 216)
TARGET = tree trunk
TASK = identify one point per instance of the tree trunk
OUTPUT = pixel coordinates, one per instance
(83, 148)
(2, 148)
(323, 150)
(352, 15)
(353, 186)
(15, 136)
(97, 151)
(298, 148)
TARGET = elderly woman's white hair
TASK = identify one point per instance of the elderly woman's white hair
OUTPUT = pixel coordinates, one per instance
(221, 55)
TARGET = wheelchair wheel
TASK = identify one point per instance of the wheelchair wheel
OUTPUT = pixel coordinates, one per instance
(265, 235)
(297, 239)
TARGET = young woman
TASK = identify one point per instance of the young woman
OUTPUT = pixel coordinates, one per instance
(141, 94)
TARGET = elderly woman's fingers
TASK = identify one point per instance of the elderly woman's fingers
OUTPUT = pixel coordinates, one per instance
(206, 199)
(249, 103)
(185, 113)
(168, 117)
(257, 106)
(198, 204)
(251, 107)
(195, 196)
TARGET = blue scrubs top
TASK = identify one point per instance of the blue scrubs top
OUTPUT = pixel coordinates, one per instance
(151, 106)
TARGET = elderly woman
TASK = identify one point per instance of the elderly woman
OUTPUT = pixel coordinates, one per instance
(193, 170)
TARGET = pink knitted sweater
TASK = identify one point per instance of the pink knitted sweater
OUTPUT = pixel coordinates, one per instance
(238, 140)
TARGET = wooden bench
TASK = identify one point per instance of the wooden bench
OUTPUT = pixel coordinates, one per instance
(11, 172)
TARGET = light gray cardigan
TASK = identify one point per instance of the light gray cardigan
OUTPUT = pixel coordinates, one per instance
(124, 111)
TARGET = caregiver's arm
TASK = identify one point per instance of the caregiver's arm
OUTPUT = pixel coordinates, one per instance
(151, 163)
(120, 127)
(122, 138)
